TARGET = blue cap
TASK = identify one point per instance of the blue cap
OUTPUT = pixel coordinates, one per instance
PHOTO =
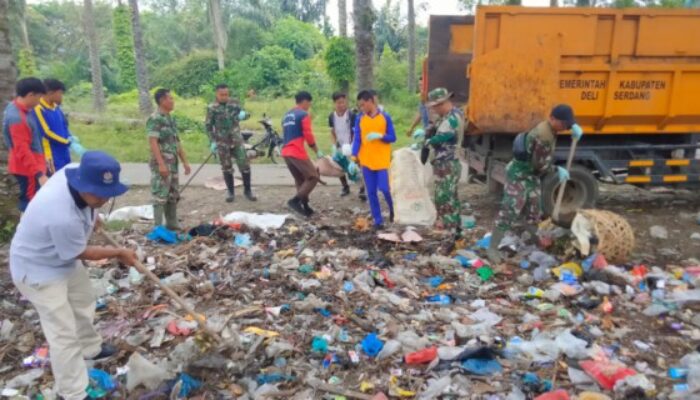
(98, 174)
(564, 113)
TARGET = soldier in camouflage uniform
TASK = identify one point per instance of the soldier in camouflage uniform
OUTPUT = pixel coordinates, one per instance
(522, 191)
(222, 124)
(446, 166)
(165, 150)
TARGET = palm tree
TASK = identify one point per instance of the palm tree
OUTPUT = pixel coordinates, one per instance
(7, 90)
(363, 20)
(342, 18)
(145, 105)
(411, 48)
(98, 94)
(220, 36)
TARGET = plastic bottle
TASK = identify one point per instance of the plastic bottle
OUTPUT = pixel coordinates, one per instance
(439, 299)
(390, 348)
(677, 373)
(421, 357)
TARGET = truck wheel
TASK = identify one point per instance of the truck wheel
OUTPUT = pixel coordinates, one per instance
(581, 191)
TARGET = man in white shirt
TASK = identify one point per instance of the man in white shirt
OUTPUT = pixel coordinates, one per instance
(46, 264)
(341, 121)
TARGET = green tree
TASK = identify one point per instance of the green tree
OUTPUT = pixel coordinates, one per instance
(303, 39)
(304, 10)
(340, 62)
(272, 69)
(245, 37)
(390, 28)
(124, 44)
(391, 74)
(188, 75)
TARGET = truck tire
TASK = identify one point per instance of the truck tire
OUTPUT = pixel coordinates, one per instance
(581, 191)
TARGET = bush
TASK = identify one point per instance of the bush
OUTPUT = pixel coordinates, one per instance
(78, 92)
(273, 70)
(244, 38)
(189, 75)
(304, 40)
(340, 62)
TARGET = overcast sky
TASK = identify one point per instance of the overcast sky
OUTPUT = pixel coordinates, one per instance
(434, 7)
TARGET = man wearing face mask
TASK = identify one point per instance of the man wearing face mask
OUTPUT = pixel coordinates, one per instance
(46, 264)
(532, 159)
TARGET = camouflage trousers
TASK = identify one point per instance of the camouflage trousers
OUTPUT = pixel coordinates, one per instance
(449, 208)
(522, 195)
(228, 152)
(165, 190)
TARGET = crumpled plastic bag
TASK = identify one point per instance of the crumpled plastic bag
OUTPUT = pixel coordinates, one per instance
(144, 372)
(261, 221)
(164, 235)
(131, 213)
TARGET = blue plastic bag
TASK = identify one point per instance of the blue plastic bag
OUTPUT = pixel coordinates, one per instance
(101, 383)
(242, 240)
(189, 385)
(480, 366)
(372, 345)
(163, 234)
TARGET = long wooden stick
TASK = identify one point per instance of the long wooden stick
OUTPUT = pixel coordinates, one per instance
(562, 187)
(182, 189)
(179, 300)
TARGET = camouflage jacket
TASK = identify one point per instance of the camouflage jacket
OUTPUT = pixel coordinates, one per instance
(540, 143)
(447, 134)
(163, 127)
(222, 121)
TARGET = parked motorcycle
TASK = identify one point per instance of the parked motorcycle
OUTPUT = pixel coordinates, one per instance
(270, 145)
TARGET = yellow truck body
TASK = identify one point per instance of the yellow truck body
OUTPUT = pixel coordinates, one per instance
(624, 71)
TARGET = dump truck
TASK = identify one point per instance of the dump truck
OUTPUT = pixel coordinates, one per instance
(632, 77)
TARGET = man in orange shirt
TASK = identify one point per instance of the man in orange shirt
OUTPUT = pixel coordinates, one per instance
(374, 133)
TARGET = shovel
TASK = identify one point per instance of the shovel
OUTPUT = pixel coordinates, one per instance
(150, 275)
(566, 220)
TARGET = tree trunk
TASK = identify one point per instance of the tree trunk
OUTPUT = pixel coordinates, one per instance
(411, 48)
(220, 37)
(98, 94)
(8, 188)
(343, 18)
(363, 19)
(145, 105)
(22, 4)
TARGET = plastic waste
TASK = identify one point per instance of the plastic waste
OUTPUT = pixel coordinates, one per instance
(435, 281)
(176, 279)
(101, 383)
(372, 345)
(485, 273)
(421, 357)
(38, 359)
(478, 366)
(131, 213)
(143, 372)
(187, 385)
(559, 394)
(25, 379)
(635, 382)
(439, 299)
(390, 348)
(605, 372)
(533, 384)
(435, 388)
(135, 277)
(413, 203)
(242, 240)
(578, 377)
(572, 346)
(274, 378)
(319, 345)
(162, 234)
(592, 396)
(260, 221)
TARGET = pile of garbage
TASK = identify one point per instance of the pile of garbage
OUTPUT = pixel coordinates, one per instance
(310, 311)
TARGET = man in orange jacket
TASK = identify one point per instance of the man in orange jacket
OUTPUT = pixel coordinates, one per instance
(374, 133)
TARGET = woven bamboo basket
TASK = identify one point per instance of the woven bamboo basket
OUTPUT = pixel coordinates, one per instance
(614, 233)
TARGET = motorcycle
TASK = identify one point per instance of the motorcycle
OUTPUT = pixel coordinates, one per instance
(270, 145)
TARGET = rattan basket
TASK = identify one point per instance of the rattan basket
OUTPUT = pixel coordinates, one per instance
(614, 233)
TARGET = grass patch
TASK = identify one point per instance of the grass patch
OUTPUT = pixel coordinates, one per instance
(127, 141)
(115, 226)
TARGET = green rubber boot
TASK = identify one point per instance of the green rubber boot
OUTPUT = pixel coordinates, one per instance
(171, 216)
(158, 214)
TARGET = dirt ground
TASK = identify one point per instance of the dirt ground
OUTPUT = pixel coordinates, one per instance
(675, 210)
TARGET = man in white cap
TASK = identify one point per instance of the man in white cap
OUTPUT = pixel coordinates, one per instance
(46, 264)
